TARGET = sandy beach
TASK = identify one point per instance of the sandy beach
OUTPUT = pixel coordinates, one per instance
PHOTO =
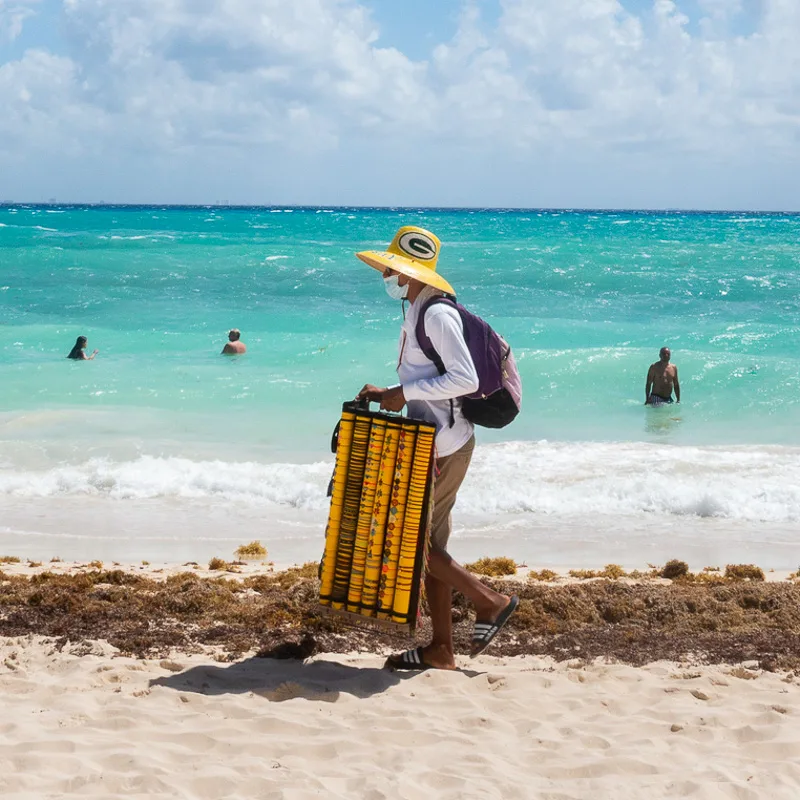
(309, 714)
(84, 720)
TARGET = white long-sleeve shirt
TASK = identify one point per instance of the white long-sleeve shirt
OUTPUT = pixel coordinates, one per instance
(428, 393)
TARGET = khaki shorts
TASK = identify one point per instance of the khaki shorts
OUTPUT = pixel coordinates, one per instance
(452, 470)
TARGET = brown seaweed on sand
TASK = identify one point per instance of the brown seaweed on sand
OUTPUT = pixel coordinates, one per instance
(274, 613)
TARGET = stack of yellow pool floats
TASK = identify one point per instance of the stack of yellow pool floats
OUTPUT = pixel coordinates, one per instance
(376, 537)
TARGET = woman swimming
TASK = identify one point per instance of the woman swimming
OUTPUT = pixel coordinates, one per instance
(77, 353)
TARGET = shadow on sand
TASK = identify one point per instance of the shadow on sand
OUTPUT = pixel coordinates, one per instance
(279, 679)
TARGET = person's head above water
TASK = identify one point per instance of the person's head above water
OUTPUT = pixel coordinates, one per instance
(234, 334)
(664, 354)
(80, 345)
(409, 263)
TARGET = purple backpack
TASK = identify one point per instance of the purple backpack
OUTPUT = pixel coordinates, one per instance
(499, 394)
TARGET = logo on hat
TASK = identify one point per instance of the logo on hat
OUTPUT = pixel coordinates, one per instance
(417, 245)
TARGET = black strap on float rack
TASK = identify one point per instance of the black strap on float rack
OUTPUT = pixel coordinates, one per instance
(357, 405)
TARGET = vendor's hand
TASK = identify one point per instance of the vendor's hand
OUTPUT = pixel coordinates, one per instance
(389, 399)
(393, 399)
(371, 393)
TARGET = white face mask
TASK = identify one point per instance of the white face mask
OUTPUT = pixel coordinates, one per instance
(395, 291)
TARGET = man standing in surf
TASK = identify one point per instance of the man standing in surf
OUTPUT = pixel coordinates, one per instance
(661, 378)
(409, 273)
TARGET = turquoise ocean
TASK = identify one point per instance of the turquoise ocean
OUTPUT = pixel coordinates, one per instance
(161, 447)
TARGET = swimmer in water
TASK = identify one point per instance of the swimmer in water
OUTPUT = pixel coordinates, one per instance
(234, 347)
(78, 352)
(662, 378)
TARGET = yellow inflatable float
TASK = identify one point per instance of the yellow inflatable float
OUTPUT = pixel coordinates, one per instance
(377, 533)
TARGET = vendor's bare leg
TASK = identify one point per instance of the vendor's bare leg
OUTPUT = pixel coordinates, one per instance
(439, 653)
(444, 575)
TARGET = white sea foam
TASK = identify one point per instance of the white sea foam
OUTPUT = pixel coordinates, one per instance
(747, 483)
(539, 478)
(295, 485)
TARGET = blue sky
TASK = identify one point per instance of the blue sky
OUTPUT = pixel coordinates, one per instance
(602, 103)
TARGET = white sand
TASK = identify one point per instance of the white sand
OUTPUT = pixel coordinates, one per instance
(178, 529)
(159, 571)
(84, 722)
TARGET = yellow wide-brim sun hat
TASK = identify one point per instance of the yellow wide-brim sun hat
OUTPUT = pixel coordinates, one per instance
(413, 252)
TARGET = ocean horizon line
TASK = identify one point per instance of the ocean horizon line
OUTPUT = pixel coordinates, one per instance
(8, 204)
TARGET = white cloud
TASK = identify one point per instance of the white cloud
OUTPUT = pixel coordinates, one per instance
(588, 71)
(41, 106)
(243, 71)
(13, 14)
(573, 80)
(718, 17)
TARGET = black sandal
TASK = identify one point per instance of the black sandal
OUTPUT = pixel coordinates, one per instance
(484, 632)
(410, 660)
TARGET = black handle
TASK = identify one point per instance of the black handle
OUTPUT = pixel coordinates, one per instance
(352, 405)
(335, 437)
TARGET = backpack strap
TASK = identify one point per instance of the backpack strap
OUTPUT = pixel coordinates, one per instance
(425, 343)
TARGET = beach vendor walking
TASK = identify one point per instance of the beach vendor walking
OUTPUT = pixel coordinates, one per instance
(409, 273)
